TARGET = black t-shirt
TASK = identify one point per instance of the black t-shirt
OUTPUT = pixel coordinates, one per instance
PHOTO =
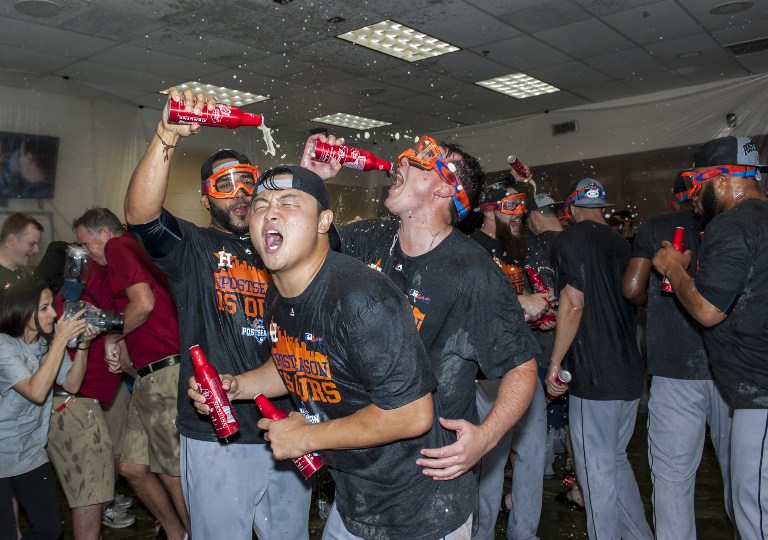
(9, 277)
(733, 276)
(347, 342)
(675, 347)
(605, 362)
(467, 314)
(539, 257)
(511, 267)
(218, 283)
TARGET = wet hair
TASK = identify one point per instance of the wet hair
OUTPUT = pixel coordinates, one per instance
(470, 173)
(18, 303)
(16, 223)
(96, 218)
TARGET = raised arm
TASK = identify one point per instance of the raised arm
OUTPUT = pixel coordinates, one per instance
(149, 182)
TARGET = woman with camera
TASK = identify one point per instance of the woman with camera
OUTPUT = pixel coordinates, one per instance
(33, 357)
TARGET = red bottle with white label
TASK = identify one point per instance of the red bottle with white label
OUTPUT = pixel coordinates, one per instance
(518, 166)
(678, 243)
(349, 157)
(209, 385)
(222, 116)
(563, 379)
(309, 463)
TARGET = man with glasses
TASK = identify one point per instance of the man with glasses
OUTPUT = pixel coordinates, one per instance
(218, 283)
(468, 316)
(500, 234)
(596, 333)
(728, 296)
(683, 397)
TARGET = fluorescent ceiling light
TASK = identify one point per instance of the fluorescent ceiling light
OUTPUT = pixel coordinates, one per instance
(518, 85)
(350, 121)
(399, 41)
(223, 94)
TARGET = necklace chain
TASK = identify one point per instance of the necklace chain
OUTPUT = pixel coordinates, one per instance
(434, 237)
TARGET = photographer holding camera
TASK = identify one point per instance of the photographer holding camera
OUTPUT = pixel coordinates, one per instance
(150, 459)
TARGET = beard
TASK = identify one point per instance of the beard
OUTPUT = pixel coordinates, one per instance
(709, 206)
(224, 218)
(513, 244)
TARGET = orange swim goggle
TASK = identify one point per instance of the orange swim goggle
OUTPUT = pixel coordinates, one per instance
(425, 155)
(225, 183)
(512, 205)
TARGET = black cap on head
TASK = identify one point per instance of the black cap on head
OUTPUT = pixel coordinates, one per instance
(207, 169)
(302, 180)
(727, 151)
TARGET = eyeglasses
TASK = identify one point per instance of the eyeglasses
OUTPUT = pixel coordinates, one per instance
(513, 204)
(426, 156)
(225, 183)
(699, 179)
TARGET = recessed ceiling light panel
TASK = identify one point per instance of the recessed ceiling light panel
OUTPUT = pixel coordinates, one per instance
(350, 121)
(396, 40)
(518, 85)
(223, 94)
(38, 8)
(729, 8)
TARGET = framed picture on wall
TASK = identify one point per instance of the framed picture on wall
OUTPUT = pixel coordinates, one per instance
(46, 220)
(27, 165)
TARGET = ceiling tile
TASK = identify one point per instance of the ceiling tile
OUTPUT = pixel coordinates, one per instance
(604, 91)
(139, 58)
(439, 20)
(668, 52)
(95, 72)
(569, 74)
(546, 15)
(19, 59)
(465, 65)
(656, 82)
(734, 21)
(716, 72)
(628, 63)
(523, 52)
(48, 39)
(653, 22)
(112, 24)
(585, 38)
(200, 46)
(604, 7)
(377, 91)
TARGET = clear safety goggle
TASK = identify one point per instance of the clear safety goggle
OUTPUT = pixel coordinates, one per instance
(224, 184)
(425, 155)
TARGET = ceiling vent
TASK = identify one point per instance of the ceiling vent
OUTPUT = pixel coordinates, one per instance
(563, 128)
(748, 47)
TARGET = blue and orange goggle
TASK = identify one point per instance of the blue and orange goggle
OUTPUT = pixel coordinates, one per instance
(425, 155)
(225, 183)
(699, 179)
(582, 194)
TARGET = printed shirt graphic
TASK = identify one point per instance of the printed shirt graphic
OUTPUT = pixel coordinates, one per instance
(468, 316)
(511, 268)
(348, 342)
(219, 283)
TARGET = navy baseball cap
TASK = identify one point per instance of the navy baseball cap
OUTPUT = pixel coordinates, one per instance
(302, 180)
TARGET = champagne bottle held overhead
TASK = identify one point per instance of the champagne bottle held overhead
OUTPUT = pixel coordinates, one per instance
(309, 463)
(222, 116)
(209, 385)
(352, 158)
(679, 244)
(516, 164)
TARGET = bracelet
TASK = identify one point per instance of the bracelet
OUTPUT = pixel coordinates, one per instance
(81, 349)
(166, 146)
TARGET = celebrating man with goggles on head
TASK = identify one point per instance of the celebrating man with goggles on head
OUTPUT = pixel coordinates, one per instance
(468, 316)
(217, 282)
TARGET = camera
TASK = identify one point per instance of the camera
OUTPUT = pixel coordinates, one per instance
(106, 321)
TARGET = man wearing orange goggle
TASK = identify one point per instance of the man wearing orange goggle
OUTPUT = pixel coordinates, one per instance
(426, 155)
(697, 180)
(228, 178)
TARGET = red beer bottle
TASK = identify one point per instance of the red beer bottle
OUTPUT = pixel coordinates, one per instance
(678, 243)
(563, 379)
(518, 166)
(352, 158)
(209, 385)
(222, 116)
(309, 463)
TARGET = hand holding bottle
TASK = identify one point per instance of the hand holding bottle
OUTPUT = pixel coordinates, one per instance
(323, 170)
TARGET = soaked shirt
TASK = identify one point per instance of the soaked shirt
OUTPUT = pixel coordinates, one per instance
(347, 342)
(468, 316)
(605, 361)
(511, 267)
(539, 257)
(733, 276)
(674, 344)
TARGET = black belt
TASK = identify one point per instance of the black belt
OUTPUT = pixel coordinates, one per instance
(157, 365)
(60, 392)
